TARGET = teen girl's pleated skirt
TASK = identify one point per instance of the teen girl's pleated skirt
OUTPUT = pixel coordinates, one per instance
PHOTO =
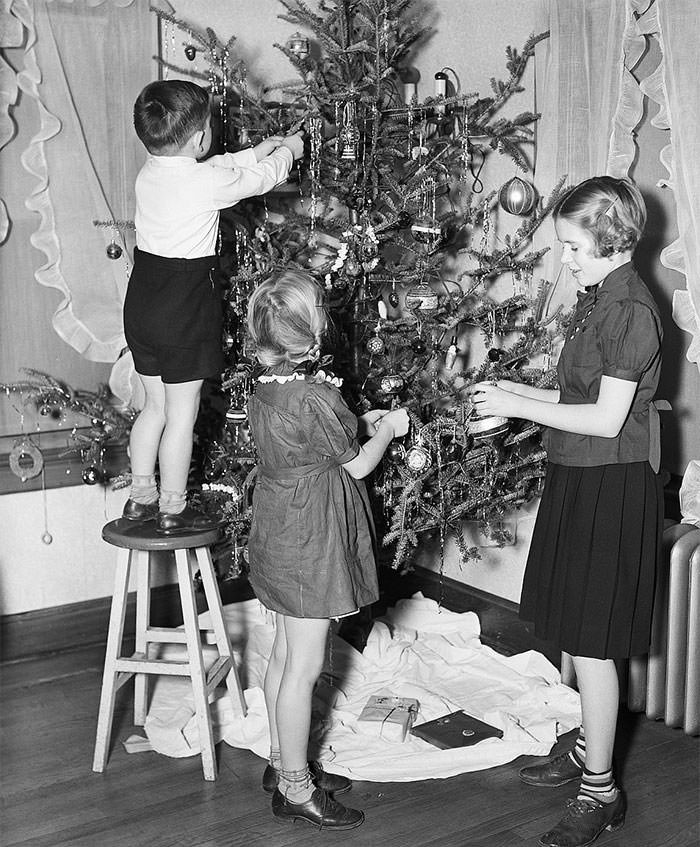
(591, 572)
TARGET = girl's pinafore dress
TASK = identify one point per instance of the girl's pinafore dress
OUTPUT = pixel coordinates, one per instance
(590, 576)
(311, 545)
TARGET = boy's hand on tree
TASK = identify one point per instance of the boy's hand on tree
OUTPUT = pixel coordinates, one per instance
(266, 147)
(295, 143)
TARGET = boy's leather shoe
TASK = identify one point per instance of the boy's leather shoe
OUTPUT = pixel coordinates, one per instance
(551, 774)
(584, 821)
(321, 811)
(188, 520)
(134, 511)
(330, 782)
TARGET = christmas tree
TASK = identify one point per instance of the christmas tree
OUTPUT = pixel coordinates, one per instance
(388, 212)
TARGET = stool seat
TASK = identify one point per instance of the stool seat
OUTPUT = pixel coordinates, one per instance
(142, 535)
(138, 544)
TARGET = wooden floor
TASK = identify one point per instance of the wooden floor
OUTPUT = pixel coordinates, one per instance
(51, 797)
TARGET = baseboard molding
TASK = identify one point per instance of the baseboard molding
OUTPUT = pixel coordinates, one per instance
(78, 625)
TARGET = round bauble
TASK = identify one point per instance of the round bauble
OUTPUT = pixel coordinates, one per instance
(518, 196)
(494, 354)
(236, 415)
(393, 299)
(427, 231)
(483, 429)
(91, 475)
(375, 346)
(418, 459)
(423, 298)
(353, 268)
(452, 451)
(395, 452)
(404, 219)
(113, 251)
(190, 52)
(418, 345)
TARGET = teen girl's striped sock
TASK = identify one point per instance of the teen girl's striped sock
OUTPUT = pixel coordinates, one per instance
(597, 786)
(578, 754)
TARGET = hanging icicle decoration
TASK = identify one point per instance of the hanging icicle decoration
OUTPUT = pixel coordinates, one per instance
(315, 124)
(350, 133)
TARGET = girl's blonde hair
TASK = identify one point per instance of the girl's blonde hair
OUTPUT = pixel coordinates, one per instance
(286, 318)
(611, 210)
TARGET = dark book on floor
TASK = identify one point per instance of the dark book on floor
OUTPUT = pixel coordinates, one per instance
(455, 730)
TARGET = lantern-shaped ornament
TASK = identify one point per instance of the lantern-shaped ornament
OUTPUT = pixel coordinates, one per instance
(418, 459)
(349, 142)
(299, 45)
(423, 298)
(518, 196)
(427, 231)
(391, 384)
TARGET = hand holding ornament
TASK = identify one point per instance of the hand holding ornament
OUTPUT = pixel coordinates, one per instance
(495, 398)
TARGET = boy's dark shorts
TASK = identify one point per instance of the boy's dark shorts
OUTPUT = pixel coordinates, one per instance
(173, 317)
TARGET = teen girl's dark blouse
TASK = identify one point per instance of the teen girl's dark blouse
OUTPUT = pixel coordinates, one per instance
(616, 332)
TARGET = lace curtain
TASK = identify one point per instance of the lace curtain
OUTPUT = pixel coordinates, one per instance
(84, 63)
(591, 102)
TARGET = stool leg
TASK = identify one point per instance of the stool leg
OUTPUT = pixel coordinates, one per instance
(143, 618)
(196, 661)
(113, 650)
(211, 590)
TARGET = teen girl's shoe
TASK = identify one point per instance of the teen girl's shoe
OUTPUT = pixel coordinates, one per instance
(321, 811)
(330, 782)
(134, 511)
(188, 520)
(551, 774)
(584, 821)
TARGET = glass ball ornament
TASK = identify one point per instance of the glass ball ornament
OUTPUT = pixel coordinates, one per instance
(517, 196)
(423, 298)
(393, 299)
(113, 251)
(418, 345)
(299, 45)
(236, 414)
(190, 52)
(395, 452)
(404, 219)
(484, 429)
(452, 451)
(418, 459)
(375, 346)
(494, 354)
(91, 475)
(352, 267)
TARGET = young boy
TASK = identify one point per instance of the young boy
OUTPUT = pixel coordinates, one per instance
(172, 310)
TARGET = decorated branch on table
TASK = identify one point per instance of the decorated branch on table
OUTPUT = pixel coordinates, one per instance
(390, 213)
(105, 423)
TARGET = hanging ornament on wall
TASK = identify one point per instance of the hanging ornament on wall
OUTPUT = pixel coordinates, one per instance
(25, 459)
(423, 298)
(517, 196)
(299, 45)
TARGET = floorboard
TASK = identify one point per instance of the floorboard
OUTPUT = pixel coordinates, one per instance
(51, 797)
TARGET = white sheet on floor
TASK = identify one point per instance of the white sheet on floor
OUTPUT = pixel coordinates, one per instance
(418, 650)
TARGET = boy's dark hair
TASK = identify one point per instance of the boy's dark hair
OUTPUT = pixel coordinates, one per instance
(611, 210)
(167, 113)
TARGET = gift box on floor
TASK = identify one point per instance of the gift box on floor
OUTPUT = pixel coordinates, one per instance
(388, 716)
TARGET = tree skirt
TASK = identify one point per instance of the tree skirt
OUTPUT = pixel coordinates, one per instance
(418, 650)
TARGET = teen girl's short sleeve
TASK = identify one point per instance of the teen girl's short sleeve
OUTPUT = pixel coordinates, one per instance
(329, 425)
(630, 340)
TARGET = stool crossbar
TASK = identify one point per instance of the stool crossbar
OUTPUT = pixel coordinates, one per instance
(137, 541)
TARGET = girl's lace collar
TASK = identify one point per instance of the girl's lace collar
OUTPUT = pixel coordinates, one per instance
(318, 377)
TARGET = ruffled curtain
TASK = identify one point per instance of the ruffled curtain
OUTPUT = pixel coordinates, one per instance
(591, 102)
(84, 63)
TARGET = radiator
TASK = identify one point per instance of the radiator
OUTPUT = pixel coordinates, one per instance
(666, 683)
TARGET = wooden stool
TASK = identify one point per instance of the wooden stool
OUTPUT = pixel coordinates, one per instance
(137, 541)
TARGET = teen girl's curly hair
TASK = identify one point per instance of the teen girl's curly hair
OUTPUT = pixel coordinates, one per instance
(611, 210)
(167, 113)
(286, 318)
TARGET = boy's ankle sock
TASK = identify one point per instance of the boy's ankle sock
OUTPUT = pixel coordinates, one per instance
(172, 502)
(597, 786)
(143, 489)
(296, 786)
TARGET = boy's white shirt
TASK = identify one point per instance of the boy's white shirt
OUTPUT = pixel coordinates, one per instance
(178, 198)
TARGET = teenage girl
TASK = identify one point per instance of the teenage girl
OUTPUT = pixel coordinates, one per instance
(590, 574)
(311, 540)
